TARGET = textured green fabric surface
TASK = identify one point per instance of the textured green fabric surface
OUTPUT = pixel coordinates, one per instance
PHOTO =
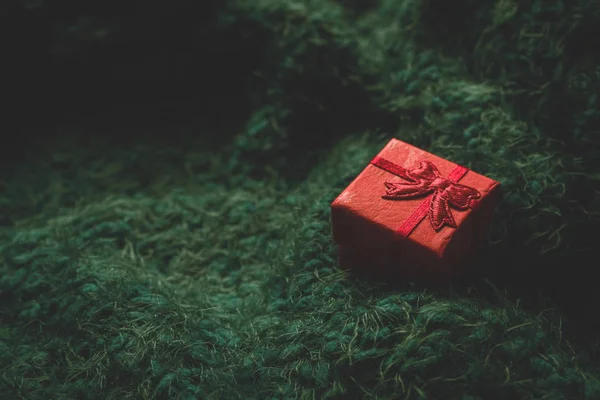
(173, 240)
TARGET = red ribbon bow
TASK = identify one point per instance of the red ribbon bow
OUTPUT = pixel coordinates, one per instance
(426, 180)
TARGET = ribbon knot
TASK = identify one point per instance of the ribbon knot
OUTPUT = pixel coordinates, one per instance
(426, 180)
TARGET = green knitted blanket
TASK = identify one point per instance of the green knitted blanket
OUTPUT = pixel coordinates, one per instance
(164, 216)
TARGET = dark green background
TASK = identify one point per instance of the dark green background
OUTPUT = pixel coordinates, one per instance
(167, 170)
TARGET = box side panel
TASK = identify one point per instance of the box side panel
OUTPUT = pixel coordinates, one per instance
(351, 229)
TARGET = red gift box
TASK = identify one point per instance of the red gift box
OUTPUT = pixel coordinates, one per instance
(413, 213)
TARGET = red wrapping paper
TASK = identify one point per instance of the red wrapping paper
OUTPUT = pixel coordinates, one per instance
(412, 213)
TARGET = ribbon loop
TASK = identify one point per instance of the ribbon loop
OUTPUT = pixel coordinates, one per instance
(426, 180)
